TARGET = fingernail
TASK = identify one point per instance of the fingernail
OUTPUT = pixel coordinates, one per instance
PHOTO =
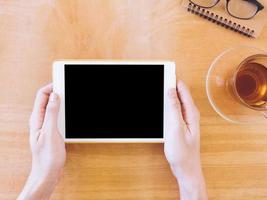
(181, 83)
(53, 97)
(172, 93)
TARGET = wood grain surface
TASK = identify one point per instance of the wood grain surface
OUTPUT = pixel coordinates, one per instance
(33, 33)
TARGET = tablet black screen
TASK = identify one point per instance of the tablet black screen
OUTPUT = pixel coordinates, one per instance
(114, 101)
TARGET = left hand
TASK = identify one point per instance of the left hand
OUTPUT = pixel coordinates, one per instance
(47, 146)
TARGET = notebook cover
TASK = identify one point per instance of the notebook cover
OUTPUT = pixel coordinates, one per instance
(219, 15)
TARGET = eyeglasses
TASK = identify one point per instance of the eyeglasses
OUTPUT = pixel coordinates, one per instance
(240, 9)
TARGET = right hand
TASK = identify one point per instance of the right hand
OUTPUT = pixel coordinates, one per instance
(182, 142)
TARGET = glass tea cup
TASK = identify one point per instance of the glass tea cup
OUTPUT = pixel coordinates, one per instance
(236, 85)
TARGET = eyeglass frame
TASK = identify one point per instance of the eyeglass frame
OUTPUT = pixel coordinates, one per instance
(255, 2)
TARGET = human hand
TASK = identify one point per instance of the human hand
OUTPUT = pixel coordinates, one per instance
(182, 143)
(47, 146)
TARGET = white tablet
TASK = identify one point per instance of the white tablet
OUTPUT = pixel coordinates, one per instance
(112, 101)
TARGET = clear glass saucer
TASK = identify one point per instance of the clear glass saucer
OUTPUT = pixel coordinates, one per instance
(218, 87)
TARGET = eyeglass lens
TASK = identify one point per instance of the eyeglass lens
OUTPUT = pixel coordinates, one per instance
(242, 9)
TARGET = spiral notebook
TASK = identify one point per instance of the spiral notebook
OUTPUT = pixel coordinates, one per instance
(219, 15)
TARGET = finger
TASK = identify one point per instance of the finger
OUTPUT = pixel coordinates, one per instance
(37, 116)
(51, 114)
(190, 111)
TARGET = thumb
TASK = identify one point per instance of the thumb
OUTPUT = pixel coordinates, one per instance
(51, 114)
(174, 104)
(174, 123)
(174, 118)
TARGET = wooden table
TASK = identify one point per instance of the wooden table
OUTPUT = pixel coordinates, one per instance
(34, 33)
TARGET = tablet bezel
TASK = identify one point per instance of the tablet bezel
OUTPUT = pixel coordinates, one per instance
(59, 88)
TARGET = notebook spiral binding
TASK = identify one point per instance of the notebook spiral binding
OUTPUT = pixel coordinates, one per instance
(228, 24)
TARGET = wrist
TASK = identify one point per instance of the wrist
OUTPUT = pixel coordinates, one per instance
(187, 170)
(194, 189)
(38, 187)
(191, 182)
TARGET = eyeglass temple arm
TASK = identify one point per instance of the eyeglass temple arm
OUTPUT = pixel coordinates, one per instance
(255, 2)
